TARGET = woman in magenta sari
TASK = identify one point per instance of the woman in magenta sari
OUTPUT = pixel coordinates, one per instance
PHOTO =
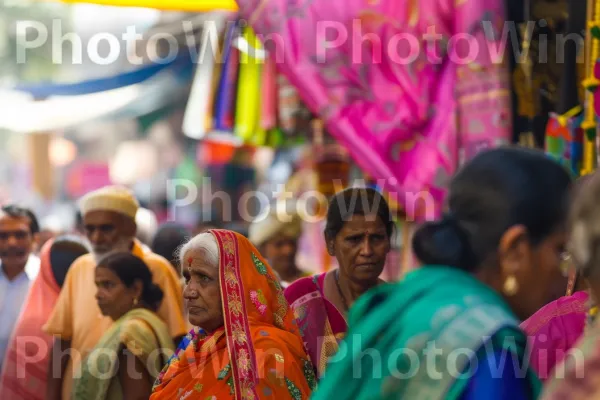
(358, 231)
(553, 331)
(555, 328)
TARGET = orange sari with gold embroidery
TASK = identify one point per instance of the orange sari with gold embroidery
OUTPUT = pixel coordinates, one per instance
(257, 354)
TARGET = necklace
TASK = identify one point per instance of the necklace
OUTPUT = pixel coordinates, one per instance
(337, 283)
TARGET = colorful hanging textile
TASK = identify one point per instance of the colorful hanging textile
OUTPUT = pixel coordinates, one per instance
(198, 114)
(564, 141)
(247, 112)
(252, 102)
(225, 96)
(404, 118)
(564, 136)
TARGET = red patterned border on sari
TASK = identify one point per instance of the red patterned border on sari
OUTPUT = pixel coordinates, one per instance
(237, 328)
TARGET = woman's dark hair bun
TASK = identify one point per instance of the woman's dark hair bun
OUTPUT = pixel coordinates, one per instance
(444, 242)
(494, 191)
(152, 295)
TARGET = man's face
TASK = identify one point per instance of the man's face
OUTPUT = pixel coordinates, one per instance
(108, 232)
(16, 241)
(281, 253)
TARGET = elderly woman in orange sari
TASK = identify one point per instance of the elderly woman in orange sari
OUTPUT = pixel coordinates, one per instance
(246, 344)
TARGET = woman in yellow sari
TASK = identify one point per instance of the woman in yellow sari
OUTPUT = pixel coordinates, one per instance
(130, 355)
(247, 344)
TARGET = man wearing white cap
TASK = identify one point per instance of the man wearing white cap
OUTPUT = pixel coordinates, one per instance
(275, 233)
(76, 321)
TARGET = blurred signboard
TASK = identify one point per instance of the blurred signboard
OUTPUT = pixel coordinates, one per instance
(86, 176)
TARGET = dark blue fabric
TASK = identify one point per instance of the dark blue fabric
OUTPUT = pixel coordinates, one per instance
(44, 90)
(488, 384)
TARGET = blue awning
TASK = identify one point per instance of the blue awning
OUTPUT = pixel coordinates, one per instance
(44, 90)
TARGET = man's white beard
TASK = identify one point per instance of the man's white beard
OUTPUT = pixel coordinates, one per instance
(122, 246)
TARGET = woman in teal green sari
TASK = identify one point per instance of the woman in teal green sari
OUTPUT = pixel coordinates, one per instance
(450, 330)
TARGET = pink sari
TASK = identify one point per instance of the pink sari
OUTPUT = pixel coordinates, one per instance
(554, 329)
(321, 324)
(25, 369)
(408, 111)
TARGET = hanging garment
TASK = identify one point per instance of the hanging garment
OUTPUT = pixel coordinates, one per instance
(406, 110)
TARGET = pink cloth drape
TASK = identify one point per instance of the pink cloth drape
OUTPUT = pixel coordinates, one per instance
(554, 329)
(407, 111)
(24, 373)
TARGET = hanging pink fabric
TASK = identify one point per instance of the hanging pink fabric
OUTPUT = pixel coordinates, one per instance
(409, 114)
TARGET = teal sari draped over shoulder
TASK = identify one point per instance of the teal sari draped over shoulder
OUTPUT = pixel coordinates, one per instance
(425, 338)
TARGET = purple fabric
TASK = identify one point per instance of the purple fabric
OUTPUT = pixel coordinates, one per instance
(554, 329)
(225, 98)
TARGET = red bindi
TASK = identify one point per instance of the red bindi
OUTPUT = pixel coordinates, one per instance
(189, 260)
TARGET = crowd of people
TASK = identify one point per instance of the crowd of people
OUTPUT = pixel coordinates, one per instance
(502, 306)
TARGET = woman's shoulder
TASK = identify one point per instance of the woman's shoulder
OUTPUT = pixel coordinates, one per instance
(142, 323)
(136, 325)
(573, 307)
(303, 286)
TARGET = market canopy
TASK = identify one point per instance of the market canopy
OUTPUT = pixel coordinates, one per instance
(72, 104)
(180, 5)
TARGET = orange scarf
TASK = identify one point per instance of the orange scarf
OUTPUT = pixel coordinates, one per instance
(258, 354)
(25, 368)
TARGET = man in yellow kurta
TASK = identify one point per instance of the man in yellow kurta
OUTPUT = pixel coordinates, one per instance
(76, 321)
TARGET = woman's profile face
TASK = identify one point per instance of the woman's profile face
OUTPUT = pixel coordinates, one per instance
(361, 248)
(113, 297)
(539, 276)
(202, 291)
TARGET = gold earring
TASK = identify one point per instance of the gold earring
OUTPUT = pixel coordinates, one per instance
(135, 301)
(511, 286)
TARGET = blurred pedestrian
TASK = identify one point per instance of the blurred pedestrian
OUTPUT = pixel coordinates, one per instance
(168, 239)
(358, 233)
(147, 225)
(246, 343)
(19, 230)
(76, 321)
(24, 372)
(275, 233)
(138, 343)
(576, 376)
(487, 264)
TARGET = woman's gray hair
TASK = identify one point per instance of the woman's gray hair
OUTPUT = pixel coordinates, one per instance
(205, 242)
(584, 227)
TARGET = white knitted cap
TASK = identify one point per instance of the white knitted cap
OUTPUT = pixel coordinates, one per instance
(110, 198)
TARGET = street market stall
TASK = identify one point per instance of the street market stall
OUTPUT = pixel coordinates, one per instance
(408, 125)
